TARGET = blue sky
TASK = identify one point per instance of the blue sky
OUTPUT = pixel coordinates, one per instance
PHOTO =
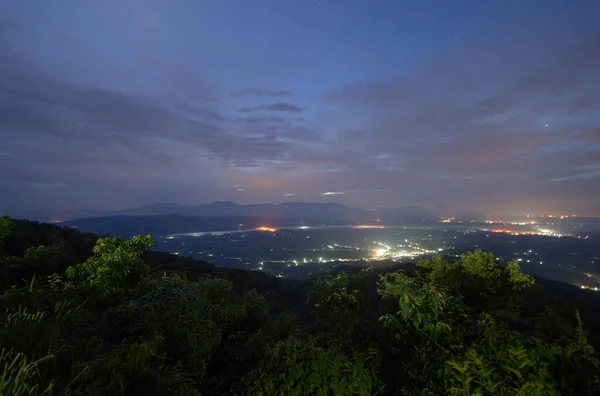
(480, 105)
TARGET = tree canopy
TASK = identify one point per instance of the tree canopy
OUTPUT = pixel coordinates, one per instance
(86, 315)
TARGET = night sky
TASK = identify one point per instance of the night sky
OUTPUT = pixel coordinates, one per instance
(491, 106)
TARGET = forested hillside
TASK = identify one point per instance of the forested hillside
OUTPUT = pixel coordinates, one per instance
(83, 315)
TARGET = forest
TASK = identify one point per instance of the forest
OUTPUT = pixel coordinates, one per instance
(87, 315)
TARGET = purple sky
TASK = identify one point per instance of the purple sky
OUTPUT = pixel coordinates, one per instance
(482, 105)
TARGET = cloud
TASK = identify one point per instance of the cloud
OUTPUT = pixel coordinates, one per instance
(476, 121)
(35, 105)
(262, 93)
(285, 107)
(67, 137)
(262, 121)
(475, 127)
(581, 173)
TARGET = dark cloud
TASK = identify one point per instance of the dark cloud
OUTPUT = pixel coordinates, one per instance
(284, 107)
(262, 121)
(59, 139)
(280, 128)
(262, 93)
(37, 105)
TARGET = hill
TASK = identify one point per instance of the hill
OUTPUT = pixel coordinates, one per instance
(169, 224)
(39, 249)
(82, 315)
(288, 210)
(293, 210)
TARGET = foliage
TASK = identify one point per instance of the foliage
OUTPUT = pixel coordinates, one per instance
(297, 366)
(341, 304)
(116, 263)
(117, 318)
(6, 225)
(516, 278)
(17, 377)
(460, 327)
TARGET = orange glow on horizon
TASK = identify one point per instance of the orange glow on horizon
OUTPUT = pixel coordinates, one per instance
(266, 229)
(368, 226)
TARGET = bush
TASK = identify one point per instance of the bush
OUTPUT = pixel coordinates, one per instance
(117, 325)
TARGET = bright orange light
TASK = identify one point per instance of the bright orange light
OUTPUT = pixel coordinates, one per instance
(368, 226)
(266, 229)
(500, 230)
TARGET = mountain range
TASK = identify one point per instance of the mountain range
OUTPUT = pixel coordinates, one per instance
(288, 210)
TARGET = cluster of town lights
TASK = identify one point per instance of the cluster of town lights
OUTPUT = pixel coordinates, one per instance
(384, 251)
(540, 231)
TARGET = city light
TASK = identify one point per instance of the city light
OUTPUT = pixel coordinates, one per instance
(269, 229)
(540, 231)
(396, 245)
(380, 252)
(501, 230)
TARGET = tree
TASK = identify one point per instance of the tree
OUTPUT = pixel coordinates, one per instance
(116, 263)
(6, 225)
(115, 326)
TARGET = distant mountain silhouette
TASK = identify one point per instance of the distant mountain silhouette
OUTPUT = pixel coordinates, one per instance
(308, 210)
(227, 208)
(329, 212)
(160, 225)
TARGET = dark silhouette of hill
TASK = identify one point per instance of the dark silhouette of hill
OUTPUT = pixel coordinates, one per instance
(283, 210)
(299, 210)
(65, 246)
(169, 224)
(291, 210)
(169, 218)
